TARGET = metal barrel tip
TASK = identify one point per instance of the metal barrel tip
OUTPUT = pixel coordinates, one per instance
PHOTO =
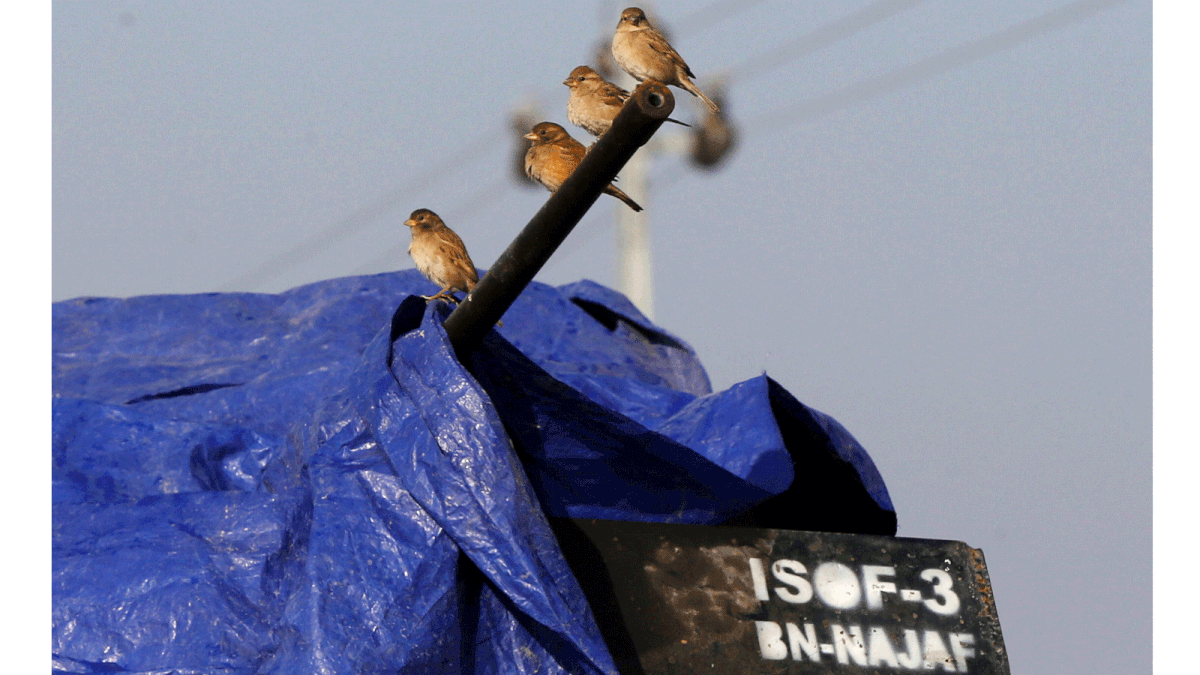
(654, 99)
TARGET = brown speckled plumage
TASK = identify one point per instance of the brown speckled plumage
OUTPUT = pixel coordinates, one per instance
(594, 101)
(554, 155)
(440, 255)
(645, 54)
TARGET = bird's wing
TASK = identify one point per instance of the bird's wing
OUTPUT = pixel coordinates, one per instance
(658, 43)
(612, 94)
(573, 150)
(455, 254)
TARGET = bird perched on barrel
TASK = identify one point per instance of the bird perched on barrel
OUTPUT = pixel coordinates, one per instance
(594, 101)
(440, 255)
(553, 157)
(644, 53)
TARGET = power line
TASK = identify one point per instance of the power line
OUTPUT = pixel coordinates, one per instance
(828, 34)
(1012, 36)
(873, 87)
(821, 37)
(718, 11)
(321, 240)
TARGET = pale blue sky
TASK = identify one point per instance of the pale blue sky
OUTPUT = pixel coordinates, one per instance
(936, 230)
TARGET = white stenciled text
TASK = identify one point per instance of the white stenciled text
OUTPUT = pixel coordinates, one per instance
(839, 586)
(875, 647)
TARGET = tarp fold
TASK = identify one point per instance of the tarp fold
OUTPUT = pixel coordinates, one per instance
(313, 482)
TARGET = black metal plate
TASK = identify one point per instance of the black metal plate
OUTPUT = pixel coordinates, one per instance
(700, 599)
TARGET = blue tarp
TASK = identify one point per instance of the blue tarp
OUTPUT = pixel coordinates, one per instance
(312, 482)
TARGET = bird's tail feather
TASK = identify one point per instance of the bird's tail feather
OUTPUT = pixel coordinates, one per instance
(616, 192)
(699, 94)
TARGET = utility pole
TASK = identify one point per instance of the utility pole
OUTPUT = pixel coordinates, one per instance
(650, 104)
(635, 269)
(707, 145)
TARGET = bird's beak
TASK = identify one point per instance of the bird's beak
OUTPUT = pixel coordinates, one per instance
(410, 222)
(531, 136)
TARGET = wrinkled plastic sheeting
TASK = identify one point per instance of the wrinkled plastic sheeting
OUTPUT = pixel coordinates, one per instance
(311, 482)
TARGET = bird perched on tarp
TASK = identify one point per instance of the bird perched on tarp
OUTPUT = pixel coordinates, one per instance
(553, 157)
(440, 255)
(594, 101)
(644, 53)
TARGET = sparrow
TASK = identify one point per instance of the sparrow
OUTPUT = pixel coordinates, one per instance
(594, 101)
(644, 53)
(554, 155)
(440, 255)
